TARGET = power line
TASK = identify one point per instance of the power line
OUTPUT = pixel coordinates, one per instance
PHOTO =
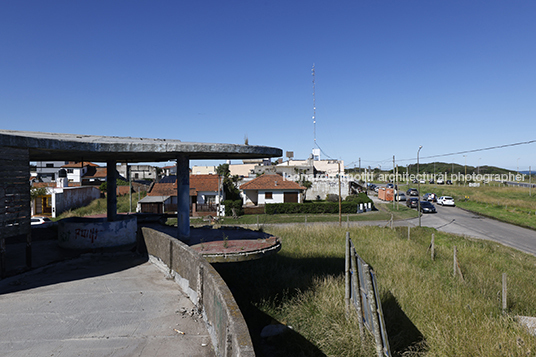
(474, 150)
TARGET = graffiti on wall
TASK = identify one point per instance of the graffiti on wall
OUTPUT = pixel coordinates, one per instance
(90, 234)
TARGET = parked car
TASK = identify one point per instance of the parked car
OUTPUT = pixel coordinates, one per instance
(390, 185)
(430, 197)
(415, 181)
(422, 181)
(431, 181)
(412, 192)
(440, 181)
(41, 222)
(400, 196)
(412, 202)
(446, 201)
(449, 182)
(427, 207)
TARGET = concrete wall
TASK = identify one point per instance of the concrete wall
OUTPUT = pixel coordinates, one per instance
(205, 287)
(323, 187)
(92, 233)
(67, 198)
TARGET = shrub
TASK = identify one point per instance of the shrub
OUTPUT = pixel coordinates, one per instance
(236, 204)
(311, 208)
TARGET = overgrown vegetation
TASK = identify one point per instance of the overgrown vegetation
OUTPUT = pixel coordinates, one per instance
(99, 206)
(428, 311)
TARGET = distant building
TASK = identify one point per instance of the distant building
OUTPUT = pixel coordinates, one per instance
(137, 172)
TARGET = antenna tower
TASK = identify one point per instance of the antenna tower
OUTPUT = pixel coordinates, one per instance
(314, 107)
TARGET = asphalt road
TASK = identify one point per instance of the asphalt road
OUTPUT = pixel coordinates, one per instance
(458, 221)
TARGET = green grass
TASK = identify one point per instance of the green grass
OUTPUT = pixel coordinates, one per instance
(99, 206)
(428, 311)
(383, 214)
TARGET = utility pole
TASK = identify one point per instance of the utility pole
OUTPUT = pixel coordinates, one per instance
(394, 183)
(340, 204)
(530, 181)
(419, 188)
(465, 177)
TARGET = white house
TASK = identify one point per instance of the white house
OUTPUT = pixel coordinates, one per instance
(271, 188)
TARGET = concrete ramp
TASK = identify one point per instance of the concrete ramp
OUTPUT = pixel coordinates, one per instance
(99, 305)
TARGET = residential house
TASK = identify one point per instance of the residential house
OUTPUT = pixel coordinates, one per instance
(60, 197)
(205, 195)
(271, 188)
(46, 171)
(137, 172)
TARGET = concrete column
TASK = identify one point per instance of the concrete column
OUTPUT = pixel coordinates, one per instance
(111, 190)
(183, 196)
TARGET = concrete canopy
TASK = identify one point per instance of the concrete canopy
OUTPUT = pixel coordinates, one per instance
(73, 147)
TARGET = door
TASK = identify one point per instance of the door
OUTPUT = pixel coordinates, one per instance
(290, 197)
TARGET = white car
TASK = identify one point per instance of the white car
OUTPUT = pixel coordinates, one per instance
(400, 196)
(41, 222)
(446, 201)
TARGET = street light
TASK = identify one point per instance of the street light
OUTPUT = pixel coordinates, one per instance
(419, 187)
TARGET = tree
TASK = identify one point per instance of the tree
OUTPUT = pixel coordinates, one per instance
(229, 182)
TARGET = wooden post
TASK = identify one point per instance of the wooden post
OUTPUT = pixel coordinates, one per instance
(409, 232)
(347, 221)
(373, 310)
(455, 264)
(357, 290)
(347, 274)
(432, 246)
(504, 293)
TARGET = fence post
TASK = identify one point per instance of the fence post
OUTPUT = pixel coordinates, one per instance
(433, 246)
(504, 293)
(347, 274)
(409, 231)
(374, 310)
(357, 289)
(455, 263)
(347, 221)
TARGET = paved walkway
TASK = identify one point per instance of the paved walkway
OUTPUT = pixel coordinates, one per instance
(99, 305)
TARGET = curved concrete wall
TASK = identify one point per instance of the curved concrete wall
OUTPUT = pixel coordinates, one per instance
(88, 233)
(206, 289)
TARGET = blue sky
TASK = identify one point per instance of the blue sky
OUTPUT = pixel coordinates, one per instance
(390, 75)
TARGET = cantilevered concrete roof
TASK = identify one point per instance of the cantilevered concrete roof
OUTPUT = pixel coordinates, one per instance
(73, 147)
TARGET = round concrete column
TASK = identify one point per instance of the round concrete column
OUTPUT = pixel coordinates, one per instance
(183, 196)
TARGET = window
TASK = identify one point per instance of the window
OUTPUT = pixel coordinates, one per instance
(69, 171)
(268, 195)
(49, 165)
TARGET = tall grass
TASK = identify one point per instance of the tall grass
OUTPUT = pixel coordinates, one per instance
(99, 206)
(428, 311)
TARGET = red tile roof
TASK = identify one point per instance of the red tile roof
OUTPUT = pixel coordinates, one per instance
(204, 183)
(197, 183)
(79, 164)
(271, 182)
(163, 189)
